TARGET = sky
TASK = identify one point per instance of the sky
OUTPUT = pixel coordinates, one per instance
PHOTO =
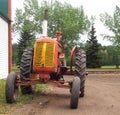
(91, 8)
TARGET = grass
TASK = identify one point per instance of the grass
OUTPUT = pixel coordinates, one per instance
(109, 67)
(22, 99)
(15, 68)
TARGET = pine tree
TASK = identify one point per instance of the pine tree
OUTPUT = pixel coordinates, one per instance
(92, 50)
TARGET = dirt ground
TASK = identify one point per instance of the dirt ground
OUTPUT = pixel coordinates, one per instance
(102, 97)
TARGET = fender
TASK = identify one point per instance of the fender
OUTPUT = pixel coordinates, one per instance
(73, 52)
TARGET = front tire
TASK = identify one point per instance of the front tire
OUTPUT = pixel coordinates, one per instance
(11, 89)
(75, 93)
(25, 70)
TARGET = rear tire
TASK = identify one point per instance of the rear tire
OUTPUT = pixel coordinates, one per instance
(80, 69)
(25, 69)
(11, 89)
(75, 93)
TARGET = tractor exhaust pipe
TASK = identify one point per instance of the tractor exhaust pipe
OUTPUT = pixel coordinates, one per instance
(44, 25)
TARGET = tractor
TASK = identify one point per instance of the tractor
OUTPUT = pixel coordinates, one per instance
(45, 63)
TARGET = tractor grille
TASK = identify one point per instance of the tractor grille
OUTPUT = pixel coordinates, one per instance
(44, 55)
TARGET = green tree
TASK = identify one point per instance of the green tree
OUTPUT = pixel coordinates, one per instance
(110, 55)
(112, 22)
(69, 20)
(105, 60)
(28, 19)
(114, 56)
(92, 50)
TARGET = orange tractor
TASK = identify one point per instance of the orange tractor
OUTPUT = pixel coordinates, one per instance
(45, 63)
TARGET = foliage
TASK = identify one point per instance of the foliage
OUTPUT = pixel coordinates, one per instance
(67, 19)
(92, 50)
(28, 18)
(62, 17)
(110, 55)
(14, 53)
(112, 22)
